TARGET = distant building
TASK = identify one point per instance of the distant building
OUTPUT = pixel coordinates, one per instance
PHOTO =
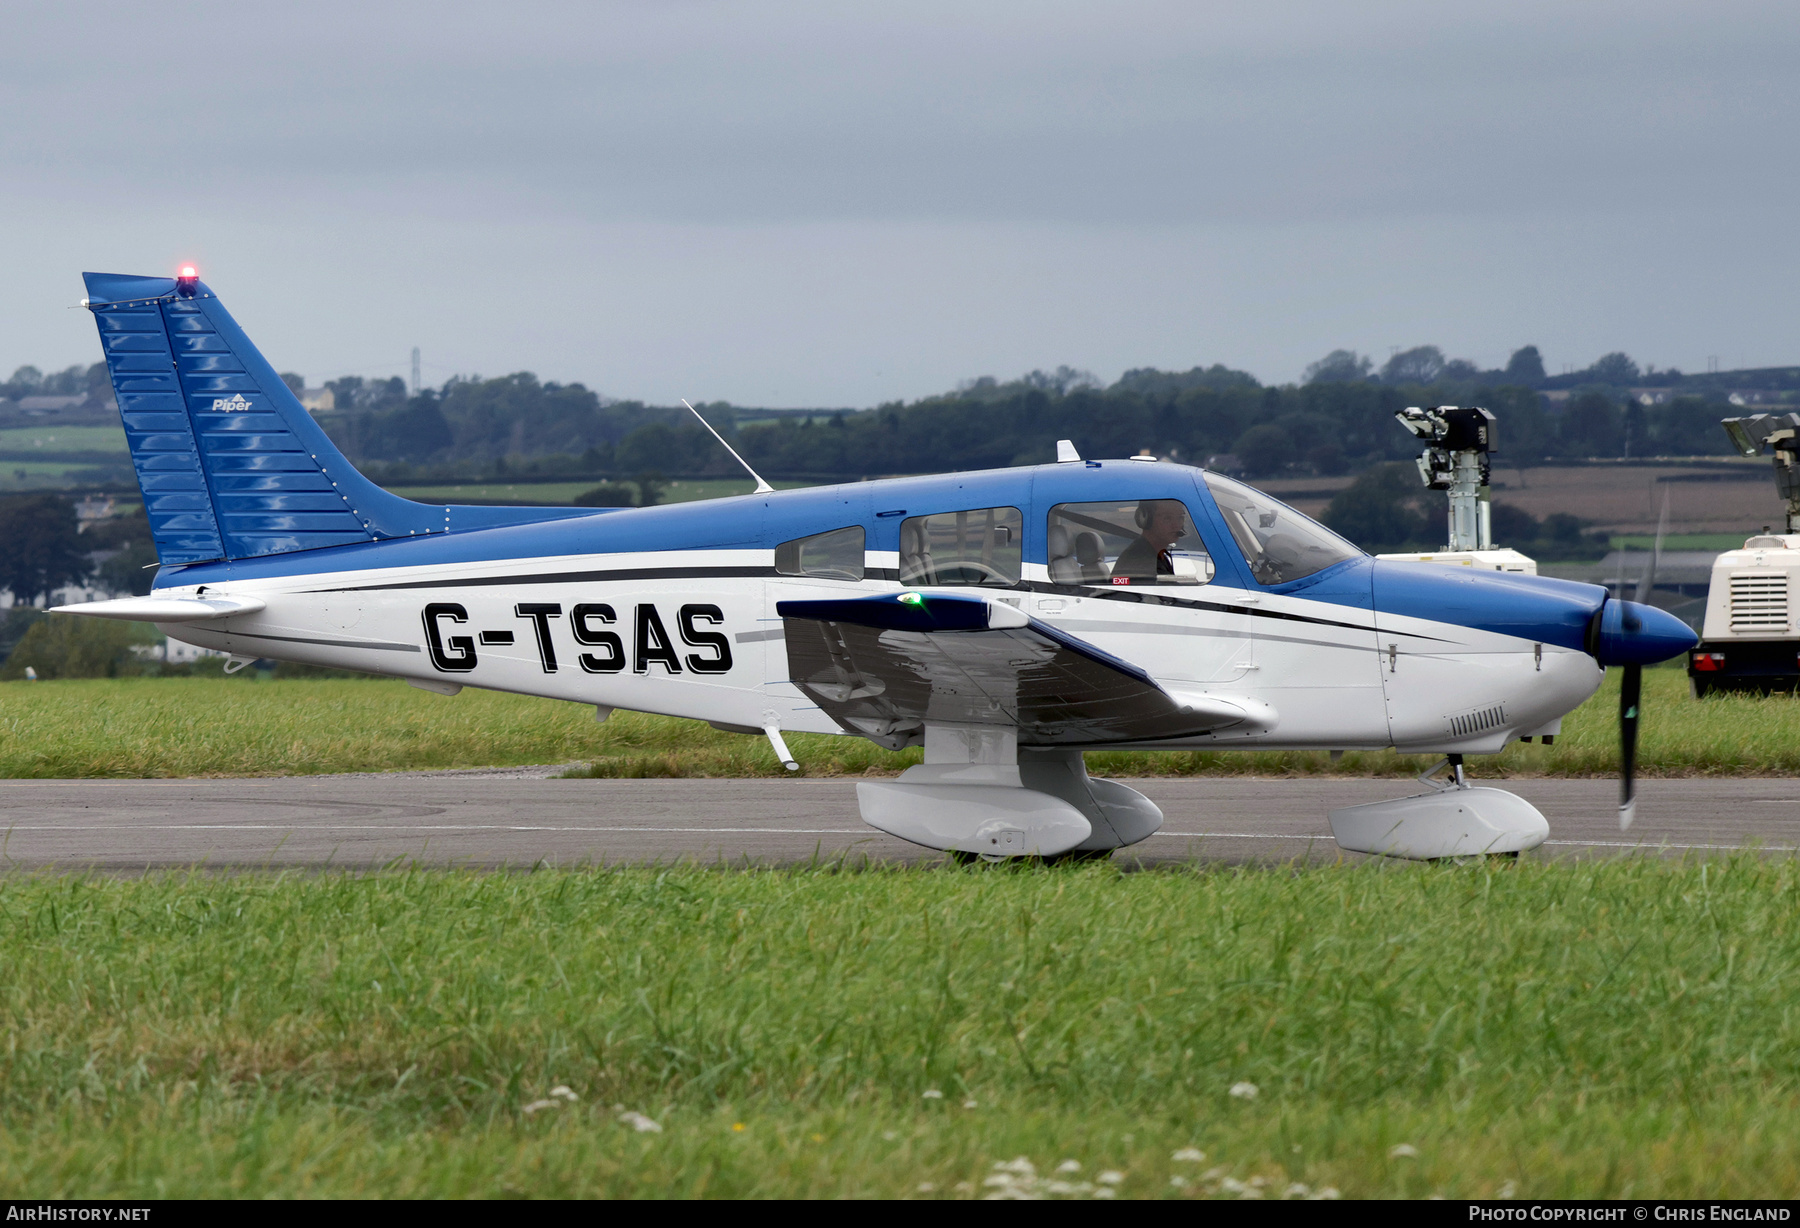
(318, 400)
(1652, 396)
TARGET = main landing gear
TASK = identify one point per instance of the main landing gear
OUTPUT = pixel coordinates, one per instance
(979, 796)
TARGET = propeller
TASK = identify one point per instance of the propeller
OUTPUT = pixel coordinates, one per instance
(1631, 682)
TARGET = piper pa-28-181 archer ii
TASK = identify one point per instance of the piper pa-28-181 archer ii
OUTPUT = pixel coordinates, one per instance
(1007, 620)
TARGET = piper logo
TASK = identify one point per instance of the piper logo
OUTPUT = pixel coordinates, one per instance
(237, 402)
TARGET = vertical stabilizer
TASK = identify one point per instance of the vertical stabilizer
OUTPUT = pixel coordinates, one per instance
(230, 463)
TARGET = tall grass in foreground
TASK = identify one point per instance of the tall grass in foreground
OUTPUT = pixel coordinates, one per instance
(232, 727)
(1628, 1027)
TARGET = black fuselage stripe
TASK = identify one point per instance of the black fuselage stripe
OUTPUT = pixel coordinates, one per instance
(738, 573)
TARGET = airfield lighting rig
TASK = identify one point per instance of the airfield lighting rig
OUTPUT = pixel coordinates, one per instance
(1780, 434)
(1458, 441)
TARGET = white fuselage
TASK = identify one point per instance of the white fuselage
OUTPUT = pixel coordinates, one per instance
(1338, 677)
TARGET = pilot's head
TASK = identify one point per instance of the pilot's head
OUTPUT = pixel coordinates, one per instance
(1162, 521)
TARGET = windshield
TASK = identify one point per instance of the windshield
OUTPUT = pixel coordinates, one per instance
(1279, 543)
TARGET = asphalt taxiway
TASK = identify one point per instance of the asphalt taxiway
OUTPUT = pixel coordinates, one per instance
(524, 817)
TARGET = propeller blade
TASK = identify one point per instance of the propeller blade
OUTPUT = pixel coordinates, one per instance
(1631, 686)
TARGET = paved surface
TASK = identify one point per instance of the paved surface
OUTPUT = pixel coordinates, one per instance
(522, 817)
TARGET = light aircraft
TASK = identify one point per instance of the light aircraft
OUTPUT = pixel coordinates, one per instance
(1006, 620)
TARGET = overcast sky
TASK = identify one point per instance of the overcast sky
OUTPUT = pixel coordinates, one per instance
(839, 204)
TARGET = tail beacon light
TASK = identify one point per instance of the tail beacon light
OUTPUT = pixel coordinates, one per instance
(186, 280)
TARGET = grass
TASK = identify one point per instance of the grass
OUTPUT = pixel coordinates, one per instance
(1625, 1028)
(140, 727)
(1716, 542)
(18, 439)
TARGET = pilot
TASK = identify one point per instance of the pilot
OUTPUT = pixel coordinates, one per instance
(1161, 522)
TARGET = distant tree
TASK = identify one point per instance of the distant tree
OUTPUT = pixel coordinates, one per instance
(1615, 370)
(1264, 450)
(99, 383)
(27, 377)
(650, 488)
(69, 382)
(1383, 510)
(1526, 366)
(1338, 367)
(1419, 365)
(1512, 525)
(1590, 426)
(14, 623)
(1461, 370)
(132, 568)
(1061, 381)
(43, 549)
(608, 494)
(295, 382)
(1328, 459)
(414, 432)
(70, 646)
(1217, 377)
(1561, 527)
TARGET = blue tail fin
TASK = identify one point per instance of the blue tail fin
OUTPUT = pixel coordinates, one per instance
(230, 463)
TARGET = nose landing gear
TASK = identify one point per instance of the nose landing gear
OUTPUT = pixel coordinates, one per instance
(1455, 819)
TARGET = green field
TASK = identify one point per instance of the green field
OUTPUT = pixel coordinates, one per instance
(215, 726)
(565, 493)
(1716, 542)
(17, 439)
(1625, 1028)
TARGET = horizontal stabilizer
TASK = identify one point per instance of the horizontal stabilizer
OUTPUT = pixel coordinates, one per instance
(165, 609)
(885, 666)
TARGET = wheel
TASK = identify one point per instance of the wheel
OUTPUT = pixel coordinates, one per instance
(1072, 857)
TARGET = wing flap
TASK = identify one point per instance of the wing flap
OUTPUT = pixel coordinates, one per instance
(884, 666)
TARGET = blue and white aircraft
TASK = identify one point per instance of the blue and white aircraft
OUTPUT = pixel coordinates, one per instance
(1005, 620)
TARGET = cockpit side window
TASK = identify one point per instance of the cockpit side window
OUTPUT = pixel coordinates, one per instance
(835, 555)
(981, 546)
(1136, 541)
(1278, 543)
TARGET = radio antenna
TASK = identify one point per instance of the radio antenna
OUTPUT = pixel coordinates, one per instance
(762, 487)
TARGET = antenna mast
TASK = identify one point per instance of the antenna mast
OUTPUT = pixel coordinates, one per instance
(762, 487)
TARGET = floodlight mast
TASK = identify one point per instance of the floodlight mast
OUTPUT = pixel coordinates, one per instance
(1457, 462)
(1780, 434)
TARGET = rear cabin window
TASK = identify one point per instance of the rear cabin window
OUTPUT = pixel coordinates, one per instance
(981, 546)
(1138, 541)
(836, 555)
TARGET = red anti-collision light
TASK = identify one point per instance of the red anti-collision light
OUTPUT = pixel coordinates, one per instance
(186, 280)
